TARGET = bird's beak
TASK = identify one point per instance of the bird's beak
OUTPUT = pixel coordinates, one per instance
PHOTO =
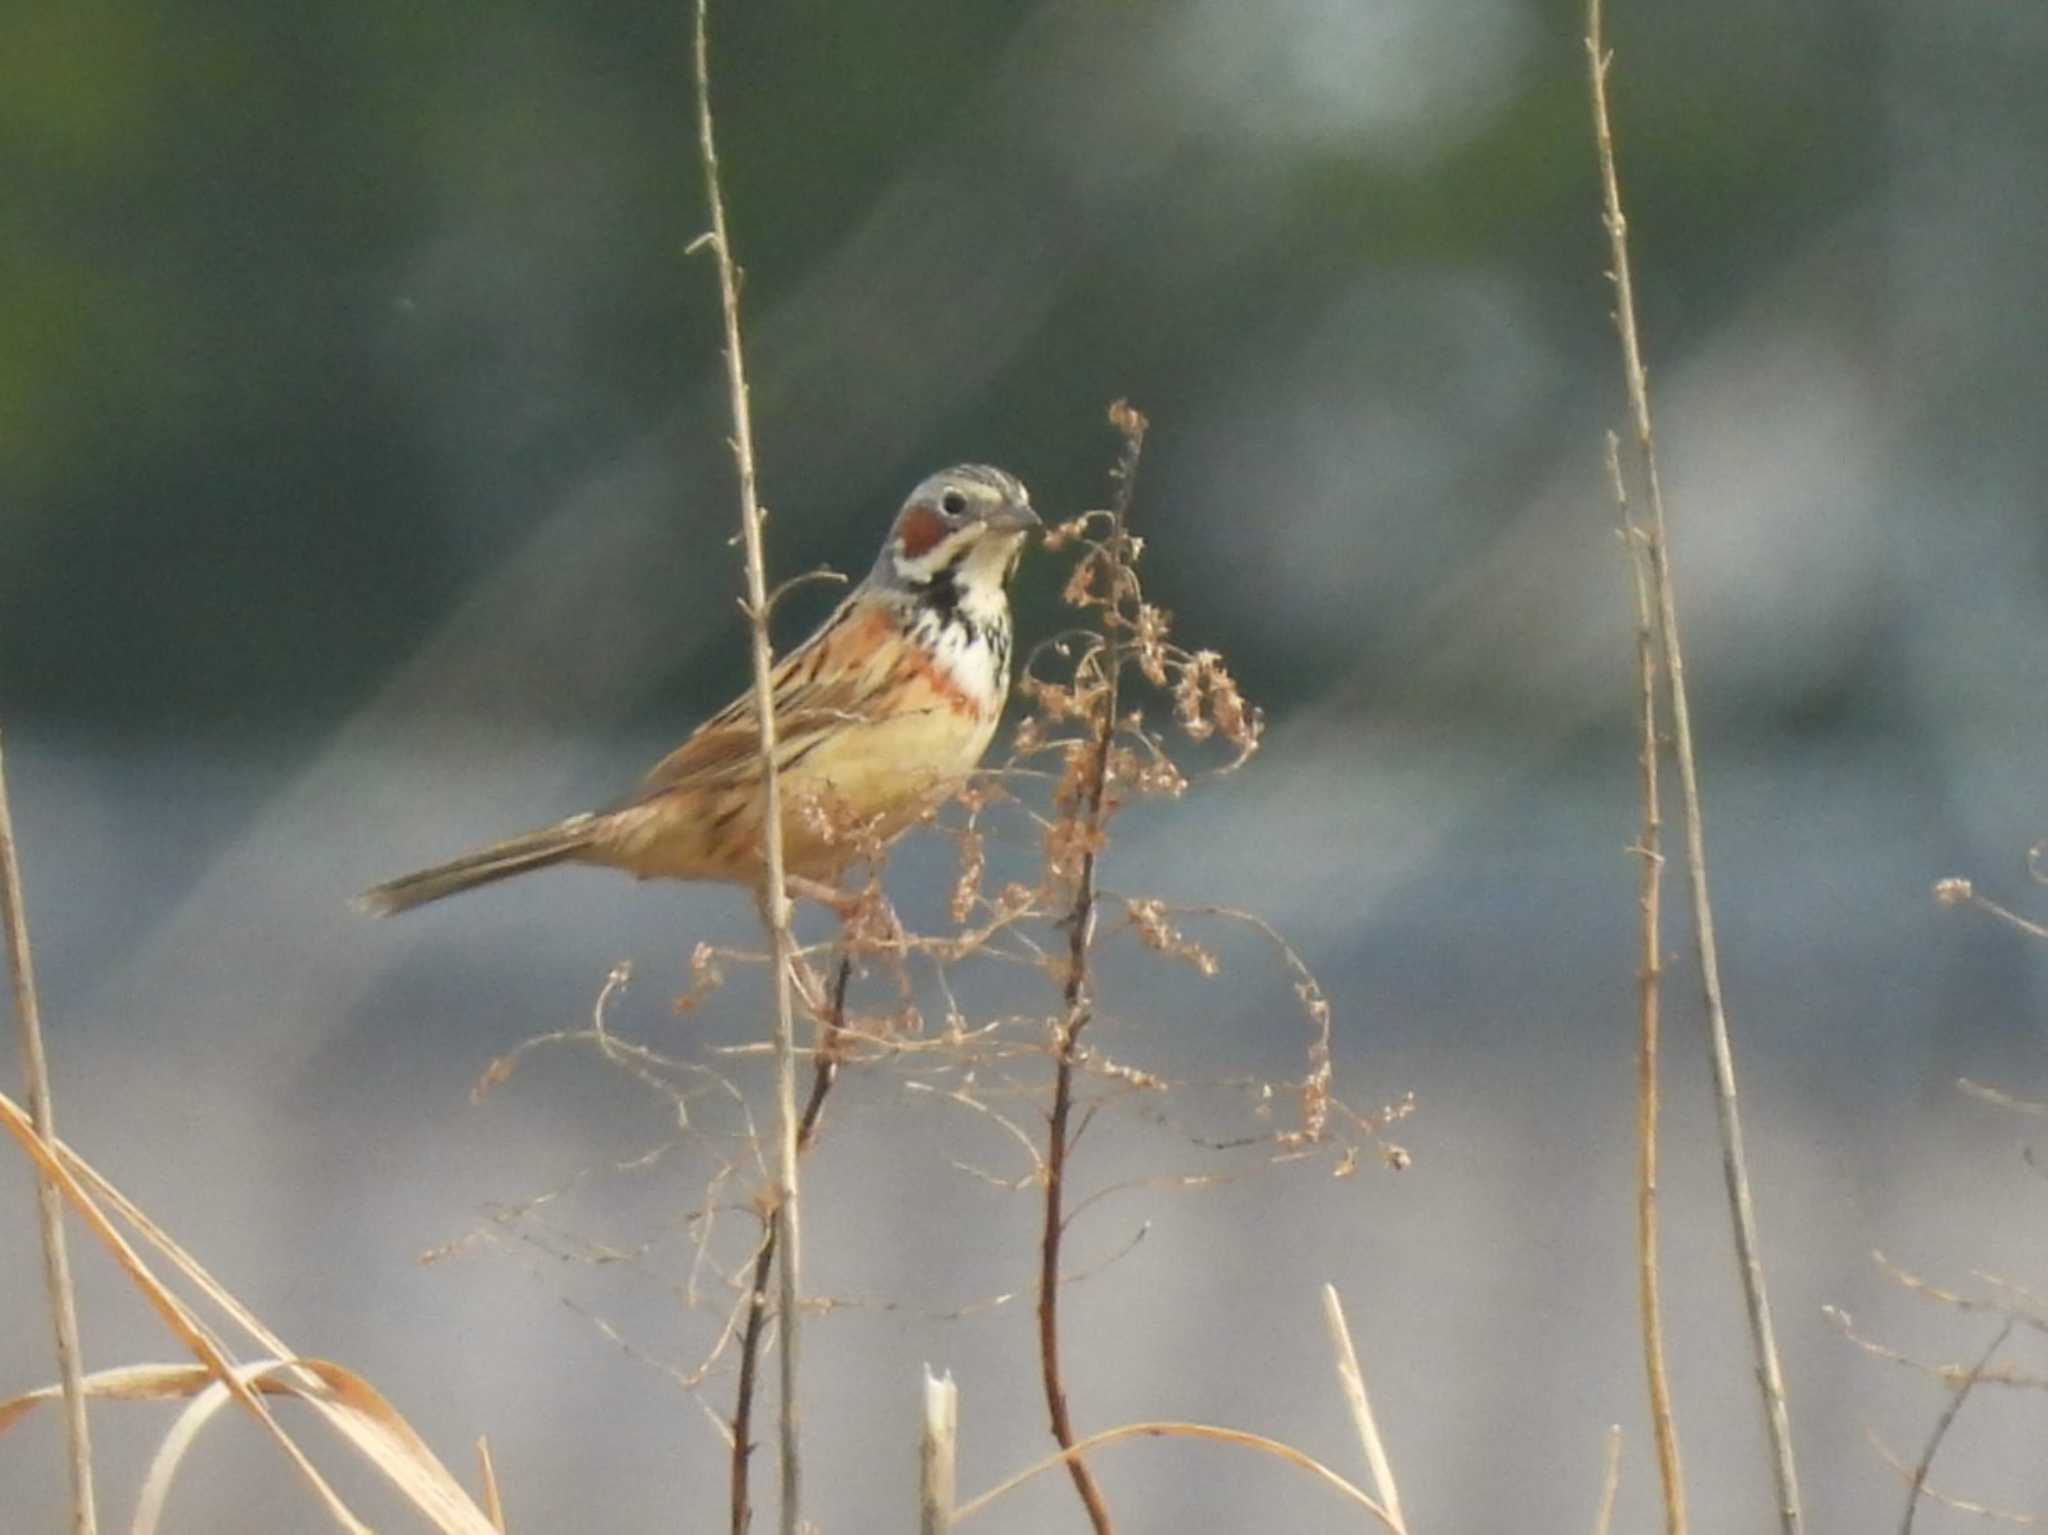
(1015, 518)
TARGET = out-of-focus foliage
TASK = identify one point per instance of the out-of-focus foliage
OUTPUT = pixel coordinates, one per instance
(311, 313)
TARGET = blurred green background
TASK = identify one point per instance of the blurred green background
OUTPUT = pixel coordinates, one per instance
(363, 495)
(312, 316)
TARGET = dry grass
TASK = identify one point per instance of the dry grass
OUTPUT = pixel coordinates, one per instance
(774, 894)
(1258, 1443)
(1654, 570)
(1610, 1483)
(35, 1069)
(1649, 978)
(1352, 1377)
(347, 1403)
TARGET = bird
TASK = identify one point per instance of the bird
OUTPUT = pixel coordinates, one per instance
(879, 715)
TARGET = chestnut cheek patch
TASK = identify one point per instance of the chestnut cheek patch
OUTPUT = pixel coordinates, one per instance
(919, 530)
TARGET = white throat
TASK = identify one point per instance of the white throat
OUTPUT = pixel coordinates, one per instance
(962, 613)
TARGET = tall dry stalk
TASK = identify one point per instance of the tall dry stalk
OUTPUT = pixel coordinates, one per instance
(824, 1072)
(1351, 1376)
(774, 896)
(1770, 1375)
(35, 1068)
(1078, 999)
(1649, 980)
(938, 1454)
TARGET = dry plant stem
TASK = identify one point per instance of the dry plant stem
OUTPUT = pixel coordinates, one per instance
(1949, 1375)
(2004, 1100)
(1207, 1431)
(1770, 1374)
(1649, 977)
(493, 1505)
(774, 887)
(1049, 1284)
(58, 1162)
(1078, 1007)
(825, 1074)
(1610, 1483)
(1352, 1378)
(938, 1455)
(1948, 1499)
(1960, 892)
(49, 1204)
(1918, 1480)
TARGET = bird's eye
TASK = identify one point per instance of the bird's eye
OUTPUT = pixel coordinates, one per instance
(954, 503)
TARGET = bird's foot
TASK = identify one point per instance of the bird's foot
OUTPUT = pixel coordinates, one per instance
(843, 904)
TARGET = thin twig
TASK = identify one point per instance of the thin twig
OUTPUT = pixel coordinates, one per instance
(1079, 1003)
(743, 1393)
(49, 1203)
(1352, 1378)
(1950, 1375)
(1209, 1431)
(494, 1506)
(2022, 1305)
(774, 898)
(825, 1059)
(1649, 980)
(1610, 1482)
(938, 1454)
(827, 1071)
(2003, 1099)
(1960, 892)
(1770, 1374)
(1961, 1394)
(1946, 1499)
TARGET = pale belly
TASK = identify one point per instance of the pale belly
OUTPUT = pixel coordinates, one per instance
(889, 774)
(886, 773)
(876, 768)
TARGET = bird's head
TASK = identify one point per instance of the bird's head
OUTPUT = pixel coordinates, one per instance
(961, 531)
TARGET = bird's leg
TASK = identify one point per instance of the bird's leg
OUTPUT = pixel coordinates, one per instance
(825, 1061)
(810, 989)
(843, 904)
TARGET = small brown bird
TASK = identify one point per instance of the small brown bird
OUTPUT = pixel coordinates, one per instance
(877, 715)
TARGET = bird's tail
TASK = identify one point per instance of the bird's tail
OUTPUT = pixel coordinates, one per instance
(501, 860)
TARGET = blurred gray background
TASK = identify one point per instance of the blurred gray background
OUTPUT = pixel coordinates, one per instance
(363, 496)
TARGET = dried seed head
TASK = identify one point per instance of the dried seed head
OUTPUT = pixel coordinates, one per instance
(1079, 592)
(1148, 638)
(973, 864)
(1133, 1076)
(706, 976)
(1157, 932)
